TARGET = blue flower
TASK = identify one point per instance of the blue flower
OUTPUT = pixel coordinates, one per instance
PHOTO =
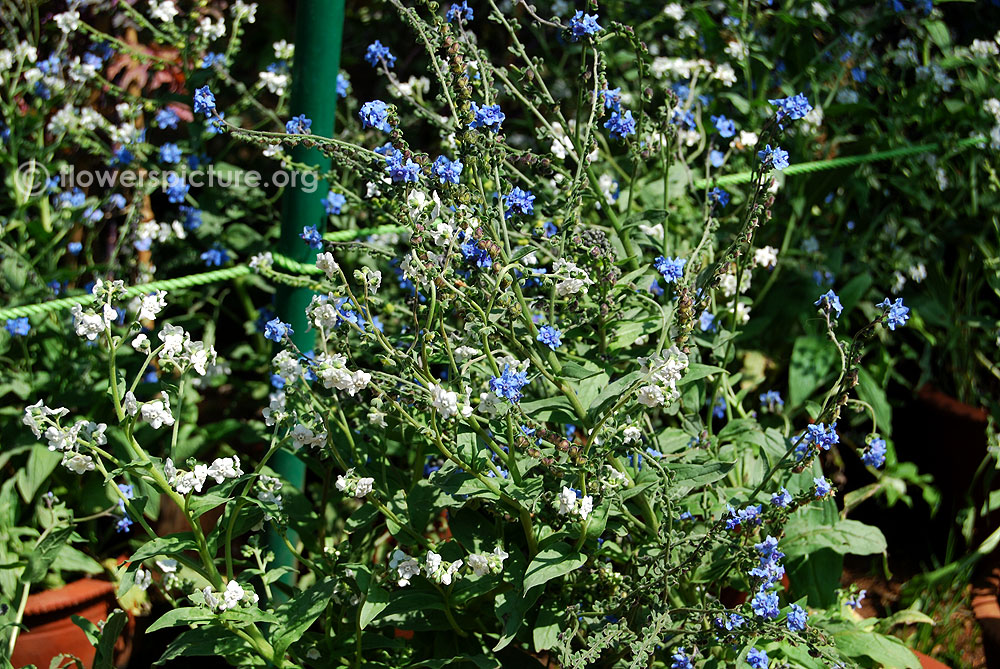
(334, 203)
(521, 201)
(655, 288)
(509, 384)
(730, 623)
(706, 321)
(856, 601)
(620, 125)
(18, 327)
(681, 660)
(874, 454)
(448, 171)
(716, 158)
(471, 252)
(797, 617)
(459, 12)
(275, 330)
(215, 256)
(550, 229)
(822, 486)
(672, 269)
(170, 153)
(400, 171)
(719, 410)
(725, 126)
(299, 125)
(74, 248)
(192, 217)
(795, 107)
(684, 118)
(121, 157)
(749, 516)
(859, 75)
(781, 499)
(765, 605)
(343, 85)
(176, 189)
(896, 314)
(311, 236)
(166, 118)
(550, 336)
(612, 98)
(583, 24)
(375, 114)
(277, 381)
(776, 157)
(757, 659)
(771, 401)
(718, 195)
(379, 52)
(829, 301)
(204, 102)
(487, 116)
(210, 59)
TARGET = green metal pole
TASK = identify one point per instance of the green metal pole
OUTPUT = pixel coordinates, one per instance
(319, 27)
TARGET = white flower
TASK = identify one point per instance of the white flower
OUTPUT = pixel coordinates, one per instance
(87, 323)
(405, 567)
(78, 463)
(225, 468)
(651, 396)
(376, 417)
(241, 10)
(143, 578)
(131, 405)
(748, 139)
(766, 257)
(157, 413)
(68, 21)
(233, 595)
(445, 401)
(632, 434)
(364, 486)
(313, 654)
(736, 50)
(917, 272)
(211, 31)
(303, 436)
(898, 281)
(440, 571)
(725, 74)
(275, 82)
(354, 486)
(210, 599)
(141, 342)
(283, 50)
(819, 11)
(163, 11)
(488, 563)
(575, 279)
(571, 504)
(151, 306)
(262, 261)
(674, 11)
(979, 48)
(326, 262)
(167, 565)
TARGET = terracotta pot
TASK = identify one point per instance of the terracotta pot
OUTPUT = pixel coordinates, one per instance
(51, 630)
(928, 662)
(986, 608)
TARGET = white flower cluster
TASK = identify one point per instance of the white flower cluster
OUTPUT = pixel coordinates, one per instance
(354, 486)
(234, 596)
(766, 257)
(267, 492)
(332, 371)
(573, 280)
(302, 435)
(572, 504)
(180, 351)
(186, 481)
(487, 563)
(445, 402)
(440, 571)
(65, 440)
(665, 372)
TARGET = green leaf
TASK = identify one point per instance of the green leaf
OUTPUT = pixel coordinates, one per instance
(511, 608)
(182, 616)
(295, 616)
(41, 463)
(547, 627)
(816, 575)
(813, 359)
(113, 626)
(697, 371)
(42, 556)
(553, 562)
(612, 393)
(691, 475)
(375, 597)
(169, 546)
(205, 641)
(870, 391)
(885, 651)
(804, 535)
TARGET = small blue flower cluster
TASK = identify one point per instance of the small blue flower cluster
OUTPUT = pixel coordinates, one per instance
(612, 98)
(460, 12)
(896, 314)
(718, 196)
(765, 601)
(795, 107)
(448, 171)
(377, 52)
(583, 24)
(18, 327)
(781, 499)
(204, 102)
(375, 114)
(681, 660)
(215, 256)
(400, 171)
(520, 201)
(334, 203)
(671, 269)
(819, 435)
(874, 453)
(749, 516)
(472, 252)
(550, 336)
(299, 125)
(311, 236)
(757, 659)
(725, 126)
(776, 157)
(822, 487)
(509, 384)
(771, 401)
(275, 330)
(620, 125)
(829, 301)
(487, 116)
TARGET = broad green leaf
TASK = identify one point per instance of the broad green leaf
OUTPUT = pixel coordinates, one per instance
(697, 371)
(885, 651)
(547, 627)
(113, 626)
(553, 562)
(41, 463)
(813, 360)
(168, 546)
(691, 475)
(295, 616)
(183, 616)
(42, 556)
(206, 641)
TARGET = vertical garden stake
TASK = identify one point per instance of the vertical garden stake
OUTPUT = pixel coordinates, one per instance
(319, 28)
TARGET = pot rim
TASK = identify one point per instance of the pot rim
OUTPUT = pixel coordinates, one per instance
(70, 596)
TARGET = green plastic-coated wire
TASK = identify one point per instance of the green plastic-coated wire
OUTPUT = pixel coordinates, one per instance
(347, 235)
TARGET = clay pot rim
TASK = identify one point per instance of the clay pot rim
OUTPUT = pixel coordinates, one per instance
(69, 596)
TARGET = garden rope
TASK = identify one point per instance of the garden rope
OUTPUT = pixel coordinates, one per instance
(295, 266)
